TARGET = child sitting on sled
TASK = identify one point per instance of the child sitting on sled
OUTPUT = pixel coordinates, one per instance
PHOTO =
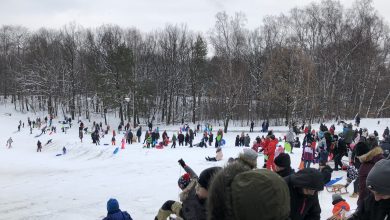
(218, 155)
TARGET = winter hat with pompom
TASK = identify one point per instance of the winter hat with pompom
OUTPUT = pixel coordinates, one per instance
(184, 180)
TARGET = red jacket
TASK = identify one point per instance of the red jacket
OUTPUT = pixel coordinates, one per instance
(271, 148)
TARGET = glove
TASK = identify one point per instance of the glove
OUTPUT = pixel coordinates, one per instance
(182, 163)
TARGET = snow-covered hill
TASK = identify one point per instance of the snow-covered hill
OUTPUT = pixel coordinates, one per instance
(77, 185)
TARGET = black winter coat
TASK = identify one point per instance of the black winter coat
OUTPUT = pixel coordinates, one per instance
(304, 207)
(373, 210)
(180, 137)
(286, 172)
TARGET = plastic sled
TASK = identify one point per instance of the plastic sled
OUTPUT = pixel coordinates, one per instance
(223, 142)
(159, 147)
(106, 144)
(116, 150)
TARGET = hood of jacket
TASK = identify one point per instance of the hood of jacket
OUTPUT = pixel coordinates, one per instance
(309, 178)
(241, 193)
(373, 155)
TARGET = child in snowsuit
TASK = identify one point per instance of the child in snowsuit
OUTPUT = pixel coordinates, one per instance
(63, 150)
(218, 155)
(308, 154)
(173, 141)
(113, 140)
(340, 207)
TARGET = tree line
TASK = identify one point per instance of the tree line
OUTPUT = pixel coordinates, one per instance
(320, 61)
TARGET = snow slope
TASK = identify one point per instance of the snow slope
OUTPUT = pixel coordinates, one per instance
(77, 185)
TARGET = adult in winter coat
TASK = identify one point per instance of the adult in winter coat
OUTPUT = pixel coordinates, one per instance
(357, 120)
(386, 132)
(290, 138)
(377, 204)
(304, 187)
(283, 165)
(191, 138)
(114, 213)
(385, 145)
(9, 142)
(39, 146)
(139, 133)
(367, 160)
(193, 206)
(239, 192)
(130, 137)
(339, 151)
(186, 139)
(247, 140)
(180, 137)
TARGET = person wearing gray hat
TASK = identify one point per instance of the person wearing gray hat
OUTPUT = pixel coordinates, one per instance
(377, 204)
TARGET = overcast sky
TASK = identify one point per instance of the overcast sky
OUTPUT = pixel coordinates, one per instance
(146, 15)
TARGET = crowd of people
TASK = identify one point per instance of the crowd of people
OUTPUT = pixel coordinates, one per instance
(242, 190)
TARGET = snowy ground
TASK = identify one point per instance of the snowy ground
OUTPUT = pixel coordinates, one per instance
(76, 186)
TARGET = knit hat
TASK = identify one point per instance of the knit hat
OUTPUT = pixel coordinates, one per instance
(361, 148)
(283, 160)
(378, 179)
(206, 176)
(184, 180)
(112, 205)
(336, 197)
(249, 156)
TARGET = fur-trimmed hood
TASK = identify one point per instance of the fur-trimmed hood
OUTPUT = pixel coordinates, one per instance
(371, 155)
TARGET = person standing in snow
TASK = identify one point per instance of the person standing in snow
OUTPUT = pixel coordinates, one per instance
(290, 138)
(114, 213)
(39, 146)
(173, 141)
(308, 154)
(64, 150)
(139, 133)
(252, 126)
(9, 143)
(357, 120)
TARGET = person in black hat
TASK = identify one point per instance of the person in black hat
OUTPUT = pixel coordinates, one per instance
(304, 186)
(283, 165)
(377, 204)
(114, 213)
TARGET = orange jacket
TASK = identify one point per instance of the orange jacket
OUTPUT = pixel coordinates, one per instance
(338, 206)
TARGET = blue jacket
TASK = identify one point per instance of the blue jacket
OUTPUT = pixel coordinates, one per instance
(119, 215)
